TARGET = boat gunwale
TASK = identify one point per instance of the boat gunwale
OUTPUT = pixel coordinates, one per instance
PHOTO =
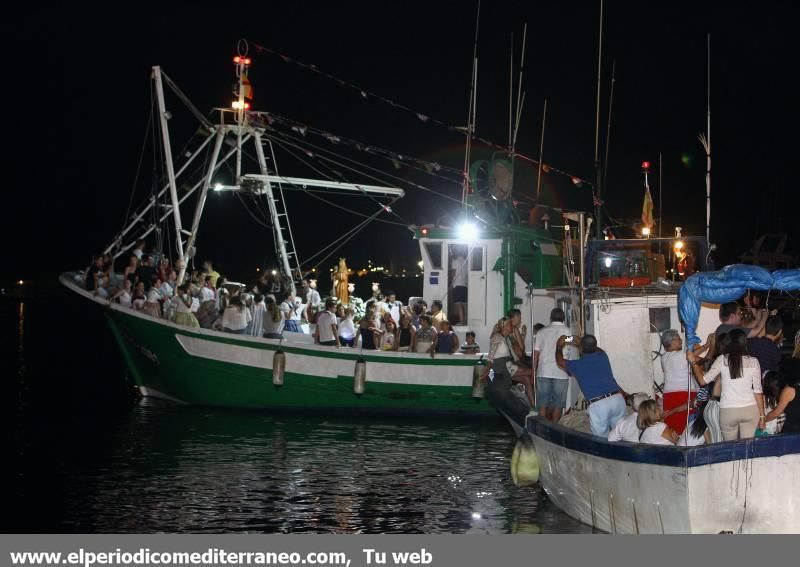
(683, 457)
(309, 349)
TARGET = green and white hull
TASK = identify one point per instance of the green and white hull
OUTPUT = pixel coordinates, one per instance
(205, 367)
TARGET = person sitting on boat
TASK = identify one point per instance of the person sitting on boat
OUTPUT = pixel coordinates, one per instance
(93, 273)
(347, 329)
(291, 317)
(446, 340)
(679, 384)
(551, 382)
(183, 308)
(406, 334)
(152, 304)
(470, 346)
(273, 319)
(369, 333)
(627, 428)
(167, 289)
(138, 297)
(236, 316)
(596, 380)
(502, 360)
(737, 379)
(326, 332)
(425, 336)
(652, 429)
(437, 314)
(123, 295)
(789, 399)
(767, 348)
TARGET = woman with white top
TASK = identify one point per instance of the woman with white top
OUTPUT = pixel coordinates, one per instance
(236, 316)
(183, 308)
(679, 384)
(123, 295)
(273, 319)
(737, 377)
(651, 424)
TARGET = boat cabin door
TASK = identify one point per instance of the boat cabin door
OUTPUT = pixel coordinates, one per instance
(477, 286)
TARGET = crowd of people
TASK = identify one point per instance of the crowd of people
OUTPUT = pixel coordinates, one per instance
(735, 386)
(268, 307)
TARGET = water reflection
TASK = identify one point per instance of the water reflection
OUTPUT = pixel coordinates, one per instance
(183, 469)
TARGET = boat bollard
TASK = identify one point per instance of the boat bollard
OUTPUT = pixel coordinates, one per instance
(477, 384)
(360, 377)
(278, 367)
(524, 463)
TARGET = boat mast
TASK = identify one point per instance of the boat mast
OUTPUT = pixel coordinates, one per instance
(240, 105)
(173, 188)
(598, 210)
(541, 154)
(201, 202)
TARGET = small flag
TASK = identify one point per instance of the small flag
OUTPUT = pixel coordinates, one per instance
(247, 88)
(422, 117)
(576, 181)
(647, 209)
(545, 168)
(364, 94)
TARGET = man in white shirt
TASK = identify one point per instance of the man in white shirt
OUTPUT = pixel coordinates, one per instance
(393, 306)
(311, 297)
(327, 332)
(551, 381)
(459, 281)
(138, 250)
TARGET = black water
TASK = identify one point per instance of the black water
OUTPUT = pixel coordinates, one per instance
(86, 455)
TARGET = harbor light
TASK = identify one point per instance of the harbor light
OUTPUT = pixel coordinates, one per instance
(21, 282)
(467, 231)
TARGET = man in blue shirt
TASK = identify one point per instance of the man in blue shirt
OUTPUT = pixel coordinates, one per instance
(593, 373)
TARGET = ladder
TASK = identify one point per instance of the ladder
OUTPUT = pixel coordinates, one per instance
(281, 228)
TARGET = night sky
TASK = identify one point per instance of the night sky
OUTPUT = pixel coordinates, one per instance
(78, 101)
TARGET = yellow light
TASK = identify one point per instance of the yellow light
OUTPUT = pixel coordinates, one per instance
(21, 282)
(646, 231)
(274, 272)
(679, 245)
(237, 105)
(258, 269)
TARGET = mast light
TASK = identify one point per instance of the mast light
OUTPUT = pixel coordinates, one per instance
(645, 165)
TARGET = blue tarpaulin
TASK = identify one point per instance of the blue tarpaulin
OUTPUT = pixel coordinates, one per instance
(728, 284)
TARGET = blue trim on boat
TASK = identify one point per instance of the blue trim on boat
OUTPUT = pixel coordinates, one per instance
(770, 446)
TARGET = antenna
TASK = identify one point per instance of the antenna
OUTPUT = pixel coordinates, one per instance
(541, 152)
(511, 93)
(706, 140)
(473, 101)
(598, 211)
(520, 94)
(608, 127)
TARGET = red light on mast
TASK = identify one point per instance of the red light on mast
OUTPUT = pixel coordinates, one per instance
(645, 165)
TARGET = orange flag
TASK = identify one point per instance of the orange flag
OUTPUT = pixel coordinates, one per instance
(247, 88)
(647, 209)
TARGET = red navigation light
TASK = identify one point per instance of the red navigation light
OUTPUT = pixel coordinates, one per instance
(645, 165)
(237, 59)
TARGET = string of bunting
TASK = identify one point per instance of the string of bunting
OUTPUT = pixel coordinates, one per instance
(397, 159)
(422, 117)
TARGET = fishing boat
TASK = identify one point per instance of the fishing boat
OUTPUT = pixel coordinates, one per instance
(603, 285)
(730, 487)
